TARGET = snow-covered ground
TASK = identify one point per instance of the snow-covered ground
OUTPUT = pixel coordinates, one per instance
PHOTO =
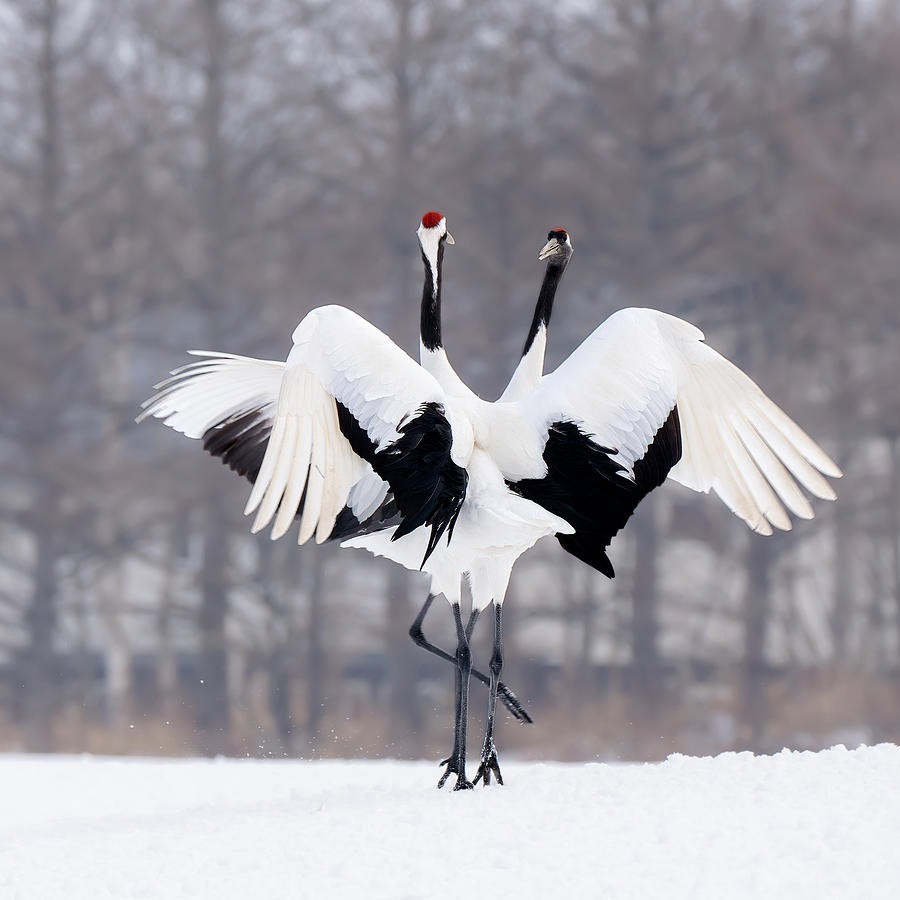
(793, 825)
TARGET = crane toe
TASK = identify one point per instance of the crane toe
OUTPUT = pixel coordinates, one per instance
(489, 765)
(453, 768)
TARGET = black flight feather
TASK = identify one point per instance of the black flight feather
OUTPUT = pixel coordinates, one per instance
(583, 485)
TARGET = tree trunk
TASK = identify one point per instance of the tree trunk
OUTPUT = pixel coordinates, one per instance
(213, 708)
(585, 682)
(405, 714)
(757, 606)
(645, 616)
(213, 713)
(894, 524)
(39, 682)
(315, 649)
(279, 637)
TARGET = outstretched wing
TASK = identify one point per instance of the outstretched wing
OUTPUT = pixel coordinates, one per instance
(228, 401)
(644, 398)
(348, 418)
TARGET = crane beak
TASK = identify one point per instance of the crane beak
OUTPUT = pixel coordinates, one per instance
(551, 248)
(449, 238)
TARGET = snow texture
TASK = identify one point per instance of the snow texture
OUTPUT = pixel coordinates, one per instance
(795, 825)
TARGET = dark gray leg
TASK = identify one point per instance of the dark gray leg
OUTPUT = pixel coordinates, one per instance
(457, 760)
(507, 697)
(470, 625)
(452, 761)
(489, 762)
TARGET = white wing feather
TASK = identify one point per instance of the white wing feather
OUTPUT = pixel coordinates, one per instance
(337, 356)
(202, 394)
(625, 378)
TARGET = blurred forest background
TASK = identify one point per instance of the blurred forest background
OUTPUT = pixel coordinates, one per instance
(200, 173)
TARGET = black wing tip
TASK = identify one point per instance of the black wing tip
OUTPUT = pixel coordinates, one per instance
(240, 441)
(583, 546)
(347, 525)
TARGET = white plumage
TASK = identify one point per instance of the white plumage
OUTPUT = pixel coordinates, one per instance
(200, 395)
(351, 426)
(623, 380)
(618, 385)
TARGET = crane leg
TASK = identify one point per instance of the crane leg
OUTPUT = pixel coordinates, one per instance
(506, 696)
(489, 763)
(470, 625)
(456, 762)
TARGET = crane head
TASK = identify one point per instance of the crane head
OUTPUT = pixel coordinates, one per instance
(434, 226)
(558, 245)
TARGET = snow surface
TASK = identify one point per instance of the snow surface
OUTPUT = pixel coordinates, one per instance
(792, 825)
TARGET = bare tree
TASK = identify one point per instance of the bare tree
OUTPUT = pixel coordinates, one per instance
(202, 174)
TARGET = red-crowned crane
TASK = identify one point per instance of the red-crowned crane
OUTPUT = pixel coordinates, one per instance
(350, 417)
(557, 252)
(527, 376)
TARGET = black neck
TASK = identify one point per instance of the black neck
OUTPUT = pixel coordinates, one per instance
(430, 327)
(544, 308)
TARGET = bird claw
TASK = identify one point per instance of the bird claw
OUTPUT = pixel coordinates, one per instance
(462, 783)
(489, 764)
(511, 702)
